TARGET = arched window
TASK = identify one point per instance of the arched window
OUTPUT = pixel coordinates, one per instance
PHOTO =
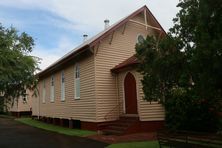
(140, 39)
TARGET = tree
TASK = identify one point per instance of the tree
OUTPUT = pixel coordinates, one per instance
(17, 66)
(184, 69)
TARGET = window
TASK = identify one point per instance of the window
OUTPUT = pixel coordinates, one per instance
(77, 81)
(62, 86)
(52, 89)
(140, 39)
(25, 98)
(43, 91)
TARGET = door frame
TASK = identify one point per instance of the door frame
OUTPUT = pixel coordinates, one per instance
(123, 87)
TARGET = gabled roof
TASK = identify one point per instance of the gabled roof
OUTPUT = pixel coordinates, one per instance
(132, 61)
(96, 39)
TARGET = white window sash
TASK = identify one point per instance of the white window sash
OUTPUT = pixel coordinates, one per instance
(52, 94)
(43, 92)
(77, 81)
(77, 88)
(62, 91)
(62, 86)
(43, 95)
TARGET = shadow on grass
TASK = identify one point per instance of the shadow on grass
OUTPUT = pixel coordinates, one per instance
(54, 128)
(145, 144)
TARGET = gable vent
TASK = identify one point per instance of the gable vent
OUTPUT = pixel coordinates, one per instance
(106, 21)
(85, 36)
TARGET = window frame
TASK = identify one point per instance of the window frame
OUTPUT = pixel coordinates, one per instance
(43, 92)
(62, 97)
(137, 38)
(77, 78)
(25, 98)
(52, 87)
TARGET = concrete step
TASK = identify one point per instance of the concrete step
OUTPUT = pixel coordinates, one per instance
(124, 118)
(112, 132)
(120, 126)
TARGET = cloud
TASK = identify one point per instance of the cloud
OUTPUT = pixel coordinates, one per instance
(26, 4)
(63, 22)
(164, 11)
(49, 56)
(92, 13)
(89, 15)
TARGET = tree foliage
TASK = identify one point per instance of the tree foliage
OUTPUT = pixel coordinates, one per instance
(184, 69)
(17, 66)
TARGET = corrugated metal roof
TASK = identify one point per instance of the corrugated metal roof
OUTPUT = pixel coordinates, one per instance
(95, 39)
(128, 62)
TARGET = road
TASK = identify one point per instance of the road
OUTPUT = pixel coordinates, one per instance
(17, 135)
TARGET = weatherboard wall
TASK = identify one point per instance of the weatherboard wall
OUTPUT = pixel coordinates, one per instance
(113, 50)
(21, 105)
(84, 108)
(101, 92)
(148, 111)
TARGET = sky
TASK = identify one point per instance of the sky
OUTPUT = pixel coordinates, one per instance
(57, 26)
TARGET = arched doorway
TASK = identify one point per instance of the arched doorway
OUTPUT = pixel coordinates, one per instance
(130, 94)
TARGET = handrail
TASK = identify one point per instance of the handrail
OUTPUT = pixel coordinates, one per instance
(113, 109)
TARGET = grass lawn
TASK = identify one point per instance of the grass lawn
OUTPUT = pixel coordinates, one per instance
(147, 144)
(54, 128)
(6, 116)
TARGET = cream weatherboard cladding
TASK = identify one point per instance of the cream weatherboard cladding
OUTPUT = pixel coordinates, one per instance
(101, 92)
(21, 104)
(35, 103)
(83, 109)
(108, 56)
(148, 111)
(77, 81)
(62, 86)
(52, 88)
(43, 91)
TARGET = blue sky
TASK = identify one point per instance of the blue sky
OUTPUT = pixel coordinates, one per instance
(57, 26)
(43, 26)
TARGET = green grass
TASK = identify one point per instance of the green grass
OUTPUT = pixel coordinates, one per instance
(6, 116)
(54, 128)
(146, 144)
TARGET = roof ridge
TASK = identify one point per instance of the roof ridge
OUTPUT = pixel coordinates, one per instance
(96, 38)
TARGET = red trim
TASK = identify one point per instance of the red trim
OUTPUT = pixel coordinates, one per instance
(117, 25)
(132, 61)
(138, 127)
(219, 114)
(89, 125)
(67, 59)
(145, 126)
(97, 40)
(149, 12)
(130, 93)
(22, 113)
(125, 21)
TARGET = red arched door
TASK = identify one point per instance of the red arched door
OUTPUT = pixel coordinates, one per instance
(130, 94)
